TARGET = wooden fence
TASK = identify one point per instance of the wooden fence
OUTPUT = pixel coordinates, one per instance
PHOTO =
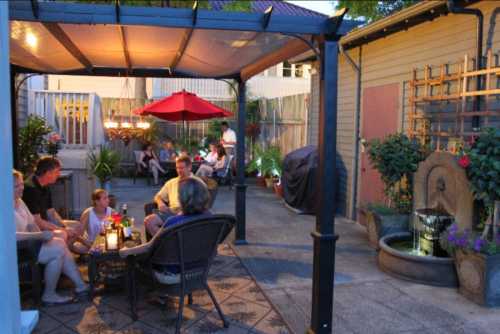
(284, 122)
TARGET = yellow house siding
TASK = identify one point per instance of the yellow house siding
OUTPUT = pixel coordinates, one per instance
(391, 59)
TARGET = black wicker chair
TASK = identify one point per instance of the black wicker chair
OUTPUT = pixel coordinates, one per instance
(190, 247)
(30, 270)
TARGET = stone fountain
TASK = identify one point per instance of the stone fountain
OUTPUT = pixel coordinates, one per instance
(441, 195)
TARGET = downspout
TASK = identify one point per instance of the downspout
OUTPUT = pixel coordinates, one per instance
(479, 49)
(355, 159)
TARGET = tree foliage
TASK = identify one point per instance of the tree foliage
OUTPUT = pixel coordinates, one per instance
(373, 10)
(484, 169)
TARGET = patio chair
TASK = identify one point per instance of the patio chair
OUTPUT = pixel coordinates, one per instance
(140, 170)
(190, 247)
(30, 270)
(225, 177)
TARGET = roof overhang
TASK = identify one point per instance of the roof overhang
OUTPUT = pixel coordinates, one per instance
(421, 12)
(92, 39)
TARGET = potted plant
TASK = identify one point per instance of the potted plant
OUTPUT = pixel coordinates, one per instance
(273, 156)
(267, 163)
(31, 142)
(53, 143)
(255, 165)
(103, 165)
(477, 256)
(396, 158)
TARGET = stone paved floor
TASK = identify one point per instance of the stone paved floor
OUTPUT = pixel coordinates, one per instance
(240, 298)
(279, 255)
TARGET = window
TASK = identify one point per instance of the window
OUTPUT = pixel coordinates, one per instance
(287, 69)
(299, 70)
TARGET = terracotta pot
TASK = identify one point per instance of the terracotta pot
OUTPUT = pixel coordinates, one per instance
(478, 276)
(269, 182)
(261, 181)
(278, 189)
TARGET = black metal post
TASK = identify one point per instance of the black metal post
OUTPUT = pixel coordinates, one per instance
(324, 235)
(13, 113)
(240, 167)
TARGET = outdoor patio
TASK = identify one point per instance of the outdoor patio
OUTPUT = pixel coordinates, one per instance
(241, 299)
(279, 261)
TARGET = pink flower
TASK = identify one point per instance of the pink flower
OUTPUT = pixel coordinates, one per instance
(54, 138)
(464, 161)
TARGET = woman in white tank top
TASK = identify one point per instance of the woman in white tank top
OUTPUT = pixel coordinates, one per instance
(93, 220)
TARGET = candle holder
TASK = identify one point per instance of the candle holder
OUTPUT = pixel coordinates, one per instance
(113, 239)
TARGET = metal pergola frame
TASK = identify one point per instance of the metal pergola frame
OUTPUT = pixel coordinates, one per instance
(326, 33)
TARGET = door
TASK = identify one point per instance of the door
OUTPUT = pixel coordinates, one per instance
(380, 118)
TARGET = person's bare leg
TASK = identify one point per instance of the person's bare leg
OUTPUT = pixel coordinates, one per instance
(154, 169)
(157, 165)
(52, 255)
(70, 269)
(152, 224)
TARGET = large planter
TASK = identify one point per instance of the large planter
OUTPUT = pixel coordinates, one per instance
(269, 182)
(261, 181)
(278, 189)
(379, 225)
(479, 277)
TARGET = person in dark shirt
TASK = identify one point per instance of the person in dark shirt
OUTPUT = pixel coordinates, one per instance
(38, 198)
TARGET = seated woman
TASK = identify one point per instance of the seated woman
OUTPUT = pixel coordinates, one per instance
(208, 170)
(194, 199)
(149, 160)
(53, 253)
(93, 221)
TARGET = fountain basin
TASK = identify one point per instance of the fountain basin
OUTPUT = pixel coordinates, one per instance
(430, 270)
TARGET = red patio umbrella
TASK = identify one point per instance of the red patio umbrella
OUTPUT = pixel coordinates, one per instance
(183, 106)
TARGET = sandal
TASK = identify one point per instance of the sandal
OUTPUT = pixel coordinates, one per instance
(58, 300)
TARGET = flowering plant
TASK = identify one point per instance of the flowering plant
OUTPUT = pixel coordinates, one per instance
(53, 143)
(481, 160)
(467, 240)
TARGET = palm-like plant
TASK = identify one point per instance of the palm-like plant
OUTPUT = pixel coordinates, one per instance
(103, 164)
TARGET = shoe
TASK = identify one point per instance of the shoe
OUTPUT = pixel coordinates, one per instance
(57, 300)
(83, 289)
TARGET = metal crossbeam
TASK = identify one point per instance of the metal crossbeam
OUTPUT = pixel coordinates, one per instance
(267, 17)
(125, 48)
(134, 72)
(68, 44)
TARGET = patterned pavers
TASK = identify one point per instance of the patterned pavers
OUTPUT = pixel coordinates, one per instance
(241, 300)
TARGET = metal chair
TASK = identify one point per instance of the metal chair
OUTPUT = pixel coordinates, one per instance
(189, 248)
(226, 176)
(140, 170)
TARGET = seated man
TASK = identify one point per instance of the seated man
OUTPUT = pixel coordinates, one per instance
(38, 198)
(167, 199)
(53, 252)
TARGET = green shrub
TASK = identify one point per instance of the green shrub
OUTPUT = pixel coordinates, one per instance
(396, 158)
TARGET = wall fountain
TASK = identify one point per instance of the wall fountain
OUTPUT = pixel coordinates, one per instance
(441, 196)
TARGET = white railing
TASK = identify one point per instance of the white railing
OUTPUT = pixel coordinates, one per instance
(76, 117)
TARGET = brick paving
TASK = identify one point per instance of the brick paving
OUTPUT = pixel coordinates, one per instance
(241, 299)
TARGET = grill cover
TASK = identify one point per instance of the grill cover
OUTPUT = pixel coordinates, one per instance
(299, 178)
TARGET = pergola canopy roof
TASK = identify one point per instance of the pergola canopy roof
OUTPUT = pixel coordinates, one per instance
(69, 38)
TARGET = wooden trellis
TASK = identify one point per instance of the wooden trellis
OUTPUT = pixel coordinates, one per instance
(440, 105)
